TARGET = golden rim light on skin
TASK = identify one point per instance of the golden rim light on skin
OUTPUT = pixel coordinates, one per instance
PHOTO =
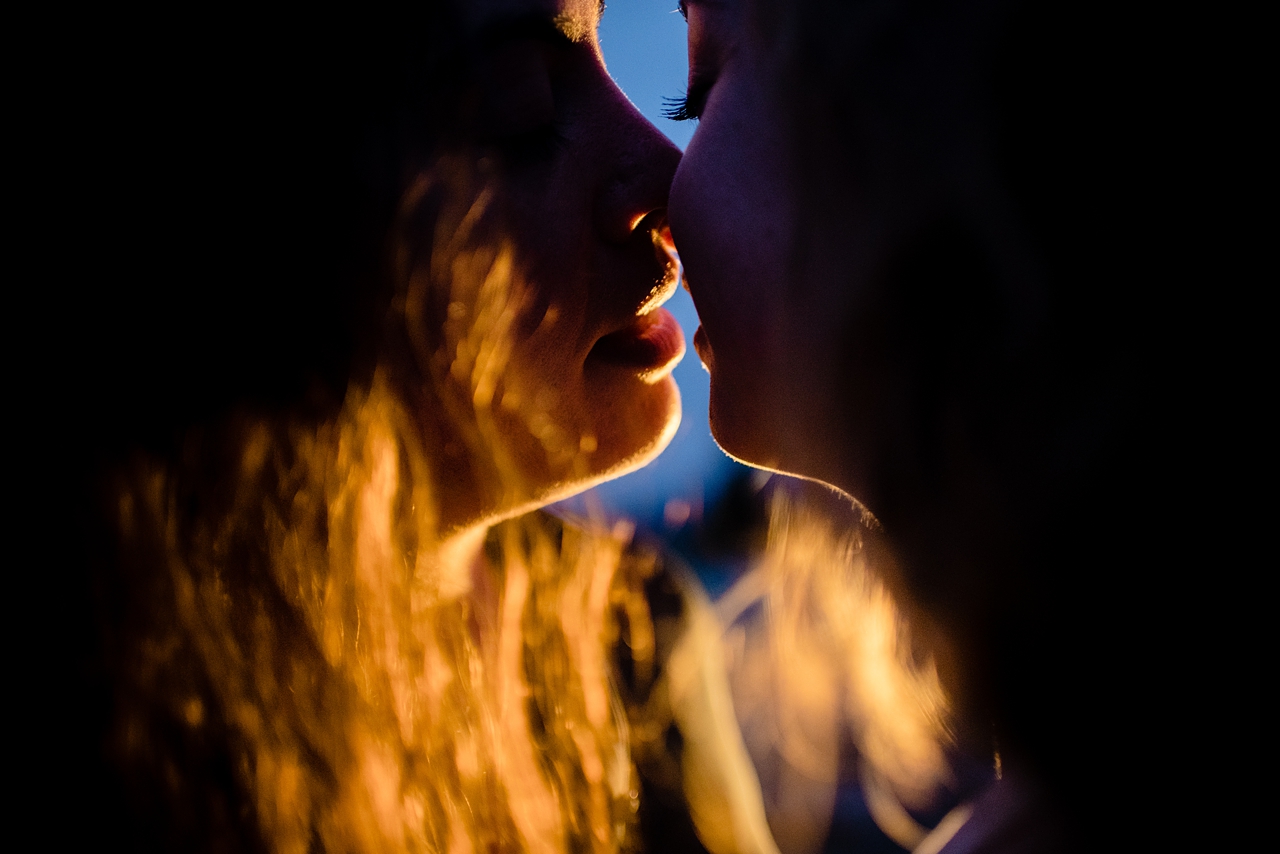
(325, 613)
(537, 400)
(582, 390)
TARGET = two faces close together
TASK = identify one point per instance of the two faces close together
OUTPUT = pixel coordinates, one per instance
(888, 218)
(871, 219)
(449, 234)
(784, 252)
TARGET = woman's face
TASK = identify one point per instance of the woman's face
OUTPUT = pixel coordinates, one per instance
(793, 326)
(734, 221)
(544, 278)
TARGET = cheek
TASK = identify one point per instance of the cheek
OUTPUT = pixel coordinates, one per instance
(730, 219)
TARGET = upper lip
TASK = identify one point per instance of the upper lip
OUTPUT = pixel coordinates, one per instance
(662, 287)
(663, 236)
(662, 280)
(662, 291)
(665, 250)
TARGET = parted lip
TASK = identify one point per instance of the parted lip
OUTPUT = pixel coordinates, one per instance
(650, 339)
(662, 291)
(664, 248)
(703, 348)
(663, 287)
(653, 343)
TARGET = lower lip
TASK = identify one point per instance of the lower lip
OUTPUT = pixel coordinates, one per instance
(652, 344)
(704, 349)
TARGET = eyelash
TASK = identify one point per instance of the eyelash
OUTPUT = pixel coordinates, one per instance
(677, 109)
(687, 106)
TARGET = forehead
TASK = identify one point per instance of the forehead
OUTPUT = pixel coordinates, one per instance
(577, 19)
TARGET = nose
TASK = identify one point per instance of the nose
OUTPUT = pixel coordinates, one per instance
(642, 163)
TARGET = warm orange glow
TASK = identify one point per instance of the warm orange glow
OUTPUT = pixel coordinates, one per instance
(316, 613)
(831, 655)
(398, 717)
(828, 604)
(378, 683)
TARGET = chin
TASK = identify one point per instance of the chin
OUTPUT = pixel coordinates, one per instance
(744, 428)
(633, 431)
(629, 434)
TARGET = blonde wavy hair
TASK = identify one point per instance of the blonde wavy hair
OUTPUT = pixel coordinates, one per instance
(302, 663)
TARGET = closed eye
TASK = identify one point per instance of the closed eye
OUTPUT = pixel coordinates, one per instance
(677, 109)
(691, 104)
(687, 106)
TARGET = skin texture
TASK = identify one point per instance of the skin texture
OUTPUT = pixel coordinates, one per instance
(733, 235)
(912, 236)
(571, 182)
(854, 327)
(847, 309)
(514, 239)
(766, 338)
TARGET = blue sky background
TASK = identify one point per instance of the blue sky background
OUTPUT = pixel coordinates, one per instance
(644, 49)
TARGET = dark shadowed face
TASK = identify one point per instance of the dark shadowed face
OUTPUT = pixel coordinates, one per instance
(548, 275)
(734, 218)
(843, 311)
